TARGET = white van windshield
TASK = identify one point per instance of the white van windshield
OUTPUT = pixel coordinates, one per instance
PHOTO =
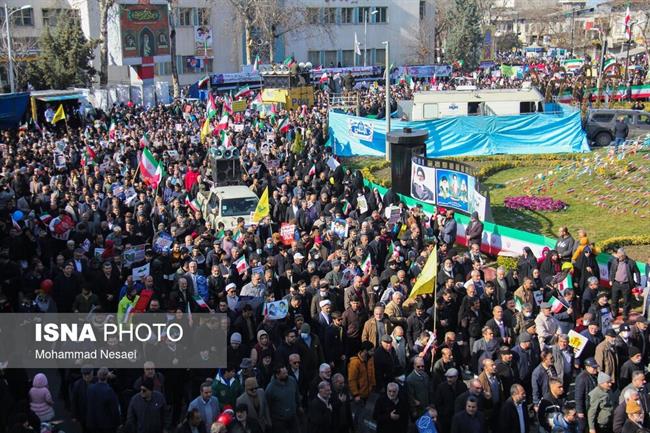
(238, 206)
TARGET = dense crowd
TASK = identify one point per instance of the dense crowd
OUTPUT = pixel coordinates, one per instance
(355, 349)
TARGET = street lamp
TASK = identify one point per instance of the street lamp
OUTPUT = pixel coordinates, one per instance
(387, 84)
(365, 33)
(12, 84)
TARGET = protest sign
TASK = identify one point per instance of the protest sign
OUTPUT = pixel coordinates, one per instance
(141, 273)
(287, 233)
(162, 243)
(577, 341)
(276, 310)
(134, 254)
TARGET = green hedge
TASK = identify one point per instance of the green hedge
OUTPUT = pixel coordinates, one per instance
(612, 244)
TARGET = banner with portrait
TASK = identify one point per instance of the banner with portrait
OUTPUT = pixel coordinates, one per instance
(423, 183)
(203, 41)
(144, 30)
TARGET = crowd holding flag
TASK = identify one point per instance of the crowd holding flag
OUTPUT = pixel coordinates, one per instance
(151, 170)
(58, 115)
(144, 140)
(262, 209)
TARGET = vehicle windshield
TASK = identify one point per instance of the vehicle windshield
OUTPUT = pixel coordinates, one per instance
(238, 206)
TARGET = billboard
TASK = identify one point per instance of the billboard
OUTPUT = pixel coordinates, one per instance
(446, 184)
(144, 32)
(203, 41)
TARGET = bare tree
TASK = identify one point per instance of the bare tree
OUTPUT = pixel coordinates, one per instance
(422, 48)
(441, 26)
(246, 11)
(104, 9)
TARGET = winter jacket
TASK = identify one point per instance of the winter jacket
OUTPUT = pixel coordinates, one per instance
(361, 377)
(226, 391)
(40, 399)
(283, 399)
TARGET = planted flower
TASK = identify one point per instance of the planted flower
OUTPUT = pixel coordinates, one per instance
(531, 202)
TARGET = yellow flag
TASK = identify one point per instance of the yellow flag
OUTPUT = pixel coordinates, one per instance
(427, 278)
(59, 115)
(262, 209)
(206, 129)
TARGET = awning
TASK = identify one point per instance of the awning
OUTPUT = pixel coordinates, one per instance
(61, 97)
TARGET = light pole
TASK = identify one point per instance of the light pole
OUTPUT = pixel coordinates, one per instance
(365, 33)
(387, 84)
(12, 84)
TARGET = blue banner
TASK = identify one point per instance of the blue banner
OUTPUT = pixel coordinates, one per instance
(465, 135)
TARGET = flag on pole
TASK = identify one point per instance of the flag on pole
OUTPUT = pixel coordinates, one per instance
(556, 304)
(211, 108)
(144, 140)
(609, 65)
(366, 267)
(225, 139)
(519, 303)
(244, 92)
(255, 63)
(227, 107)
(223, 122)
(283, 125)
(112, 130)
(204, 81)
(88, 156)
(357, 45)
(262, 209)
(201, 303)
(289, 61)
(427, 278)
(241, 265)
(626, 23)
(195, 205)
(59, 115)
(206, 129)
(346, 207)
(258, 98)
(151, 170)
(312, 170)
(391, 249)
(238, 237)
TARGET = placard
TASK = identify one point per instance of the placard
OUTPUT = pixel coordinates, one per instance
(133, 255)
(203, 41)
(141, 273)
(287, 232)
(163, 243)
(578, 342)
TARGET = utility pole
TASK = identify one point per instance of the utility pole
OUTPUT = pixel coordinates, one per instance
(387, 152)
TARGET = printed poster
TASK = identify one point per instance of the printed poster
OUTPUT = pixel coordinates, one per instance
(453, 189)
(287, 232)
(203, 41)
(423, 184)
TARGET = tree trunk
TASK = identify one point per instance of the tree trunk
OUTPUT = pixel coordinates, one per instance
(272, 49)
(248, 25)
(176, 88)
(104, 6)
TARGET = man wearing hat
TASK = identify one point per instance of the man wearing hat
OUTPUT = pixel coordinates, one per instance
(632, 364)
(586, 381)
(146, 412)
(506, 368)
(607, 357)
(445, 396)
(547, 325)
(385, 362)
(601, 405)
(522, 357)
(635, 416)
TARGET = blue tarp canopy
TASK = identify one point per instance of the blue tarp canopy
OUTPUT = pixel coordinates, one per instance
(465, 135)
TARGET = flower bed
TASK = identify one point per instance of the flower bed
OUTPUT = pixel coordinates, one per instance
(531, 202)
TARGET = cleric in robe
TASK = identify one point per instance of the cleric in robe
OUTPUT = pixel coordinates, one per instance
(418, 189)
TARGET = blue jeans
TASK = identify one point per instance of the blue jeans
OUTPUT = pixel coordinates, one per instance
(617, 142)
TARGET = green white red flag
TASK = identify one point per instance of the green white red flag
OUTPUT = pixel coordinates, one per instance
(151, 170)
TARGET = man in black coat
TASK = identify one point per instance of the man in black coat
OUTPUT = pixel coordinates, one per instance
(470, 419)
(319, 413)
(623, 276)
(585, 382)
(391, 411)
(417, 322)
(242, 423)
(514, 414)
(385, 362)
(445, 396)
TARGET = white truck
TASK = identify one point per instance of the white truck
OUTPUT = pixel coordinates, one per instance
(226, 204)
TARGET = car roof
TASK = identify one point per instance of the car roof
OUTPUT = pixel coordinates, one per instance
(236, 191)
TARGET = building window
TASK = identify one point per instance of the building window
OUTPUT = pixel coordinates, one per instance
(313, 57)
(380, 56)
(203, 16)
(423, 9)
(329, 15)
(185, 17)
(348, 58)
(50, 17)
(312, 15)
(363, 14)
(24, 17)
(185, 65)
(381, 16)
(347, 15)
(163, 68)
(329, 58)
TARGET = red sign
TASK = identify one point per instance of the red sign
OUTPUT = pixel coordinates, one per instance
(144, 30)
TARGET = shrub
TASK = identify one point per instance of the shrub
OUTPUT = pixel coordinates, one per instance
(509, 263)
(612, 244)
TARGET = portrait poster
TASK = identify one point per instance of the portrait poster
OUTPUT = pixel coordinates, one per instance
(203, 41)
(144, 30)
(340, 228)
(423, 184)
(453, 189)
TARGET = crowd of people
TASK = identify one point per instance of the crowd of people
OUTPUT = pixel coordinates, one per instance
(355, 349)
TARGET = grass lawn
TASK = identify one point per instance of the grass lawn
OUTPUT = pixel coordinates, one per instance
(606, 195)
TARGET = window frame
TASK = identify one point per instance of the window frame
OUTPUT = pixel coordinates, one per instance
(20, 14)
(190, 19)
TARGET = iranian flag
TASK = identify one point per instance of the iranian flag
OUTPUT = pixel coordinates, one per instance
(346, 207)
(88, 156)
(572, 64)
(220, 234)
(193, 204)
(626, 23)
(45, 218)
(283, 125)
(151, 170)
(204, 81)
(289, 61)
(144, 141)
(258, 98)
(112, 130)
(519, 304)
(211, 108)
(556, 304)
(312, 170)
(225, 140)
(391, 249)
(323, 78)
(366, 266)
(223, 122)
(238, 238)
(609, 65)
(201, 303)
(241, 265)
(244, 92)
(227, 107)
